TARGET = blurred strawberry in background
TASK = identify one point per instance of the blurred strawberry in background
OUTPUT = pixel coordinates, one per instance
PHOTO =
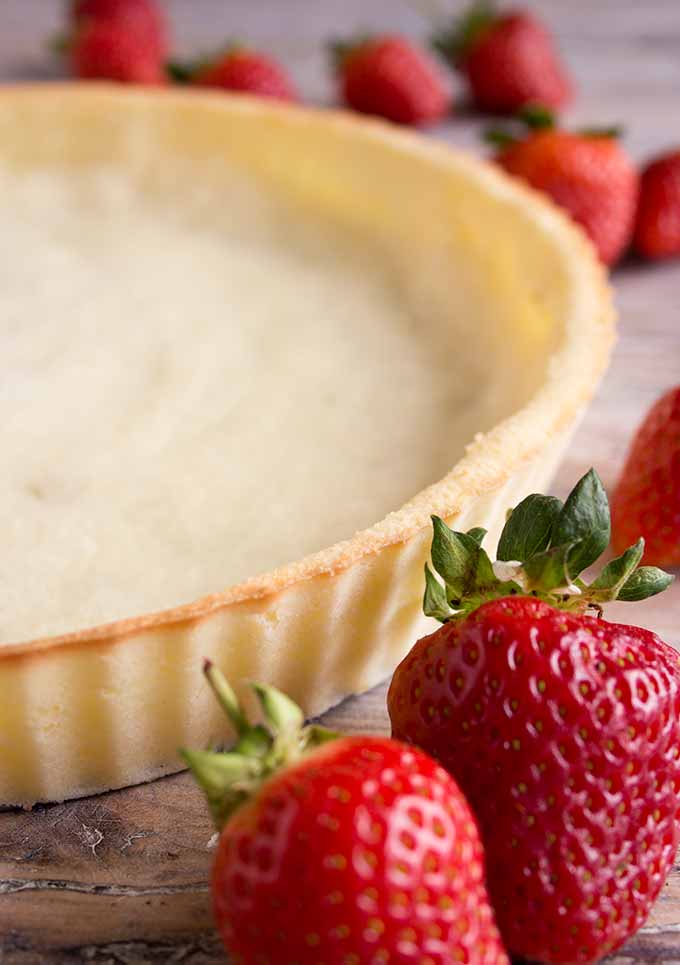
(121, 40)
(239, 69)
(509, 60)
(391, 77)
(144, 17)
(587, 173)
(647, 496)
(104, 51)
(657, 229)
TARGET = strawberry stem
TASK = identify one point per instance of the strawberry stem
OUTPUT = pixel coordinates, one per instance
(226, 697)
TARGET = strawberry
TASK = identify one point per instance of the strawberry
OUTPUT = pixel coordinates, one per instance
(144, 18)
(340, 849)
(107, 50)
(657, 228)
(391, 77)
(509, 60)
(240, 69)
(587, 173)
(563, 730)
(647, 496)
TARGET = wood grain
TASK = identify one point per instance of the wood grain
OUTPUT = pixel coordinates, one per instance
(122, 878)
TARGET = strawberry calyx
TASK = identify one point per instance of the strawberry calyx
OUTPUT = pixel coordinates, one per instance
(531, 118)
(60, 43)
(184, 71)
(230, 778)
(613, 132)
(455, 43)
(341, 51)
(537, 117)
(544, 547)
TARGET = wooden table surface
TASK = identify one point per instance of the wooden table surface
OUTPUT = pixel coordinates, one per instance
(121, 878)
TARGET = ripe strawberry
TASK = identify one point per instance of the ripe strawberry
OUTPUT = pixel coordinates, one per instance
(145, 18)
(360, 850)
(509, 60)
(647, 496)
(657, 229)
(563, 730)
(239, 69)
(108, 51)
(391, 77)
(587, 173)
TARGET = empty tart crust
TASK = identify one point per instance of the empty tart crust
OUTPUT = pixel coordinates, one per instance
(107, 707)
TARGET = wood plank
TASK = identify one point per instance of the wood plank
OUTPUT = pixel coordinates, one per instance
(123, 877)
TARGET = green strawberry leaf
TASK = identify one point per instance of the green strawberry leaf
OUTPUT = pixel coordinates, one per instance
(180, 72)
(461, 562)
(256, 742)
(281, 714)
(434, 601)
(528, 528)
(453, 556)
(548, 570)
(455, 42)
(479, 575)
(316, 735)
(218, 768)
(645, 582)
(537, 117)
(614, 131)
(482, 580)
(499, 137)
(584, 522)
(542, 549)
(477, 533)
(616, 573)
(494, 592)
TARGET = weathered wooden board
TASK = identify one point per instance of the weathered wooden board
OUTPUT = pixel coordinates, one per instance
(122, 878)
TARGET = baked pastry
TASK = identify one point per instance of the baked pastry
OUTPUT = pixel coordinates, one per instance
(245, 351)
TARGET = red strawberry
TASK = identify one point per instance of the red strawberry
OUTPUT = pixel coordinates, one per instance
(107, 50)
(647, 496)
(391, 77)
(509, 60)
(563, 730)
(358, 851)
(248, 71)
(657, 229)
(143, 17)
(587, 173)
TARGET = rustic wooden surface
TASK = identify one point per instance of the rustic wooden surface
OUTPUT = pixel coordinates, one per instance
(121, 878)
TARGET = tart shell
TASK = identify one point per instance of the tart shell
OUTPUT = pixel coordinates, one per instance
(109, 706)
